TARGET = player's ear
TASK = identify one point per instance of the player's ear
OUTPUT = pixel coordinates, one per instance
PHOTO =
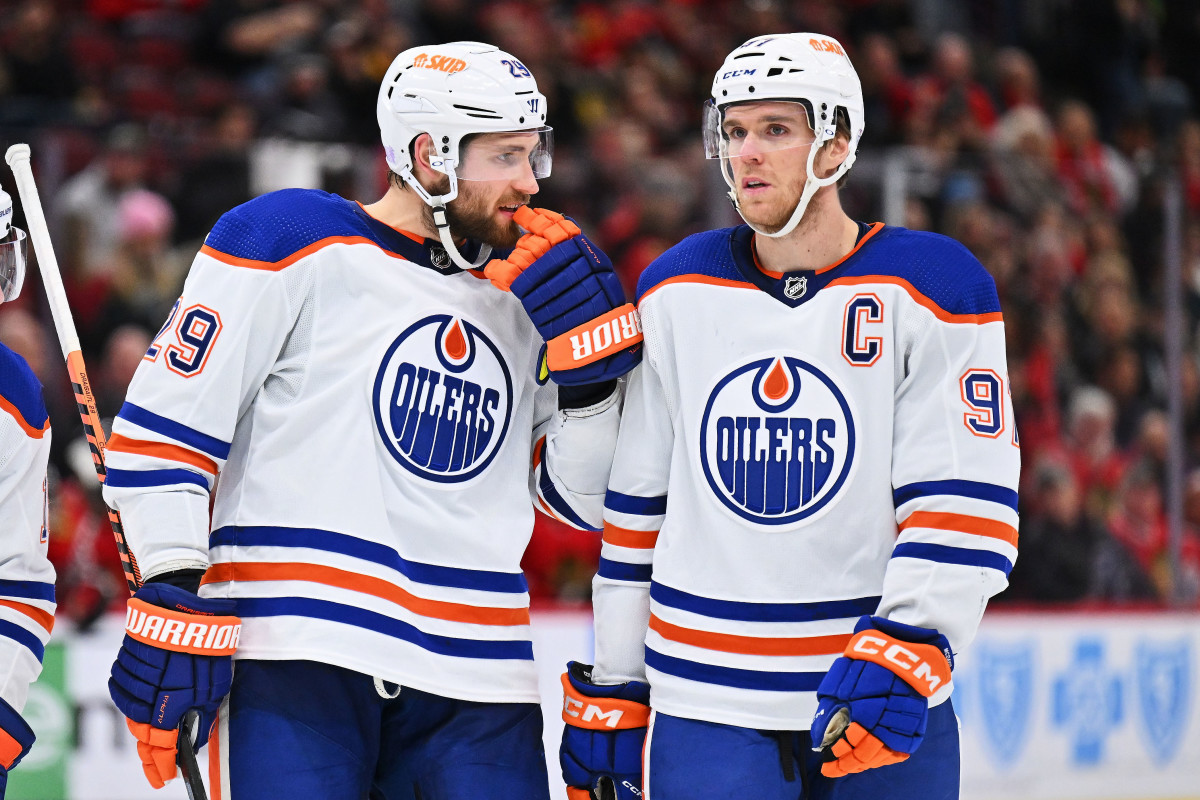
(423, 148)
(832, 154)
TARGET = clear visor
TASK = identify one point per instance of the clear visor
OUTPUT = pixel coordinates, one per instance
(12, 264)
(743, 130)
(506, 156)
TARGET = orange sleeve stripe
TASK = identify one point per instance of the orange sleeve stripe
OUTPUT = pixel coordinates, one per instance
(275, 266)
(365, 584)
(167, 452)
(30, 431)
(545, 508)
(752, 645)
(961, 523)
(922, 300)
(41, 617)
(702, 279)
(624, 537)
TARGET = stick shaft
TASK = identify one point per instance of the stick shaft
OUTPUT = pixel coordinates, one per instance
(64, 325)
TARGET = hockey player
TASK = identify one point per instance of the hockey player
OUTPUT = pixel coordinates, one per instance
(27, 578)
(814, 491)
(370, 419)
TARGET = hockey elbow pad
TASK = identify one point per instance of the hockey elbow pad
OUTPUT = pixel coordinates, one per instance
(601, 753)
(573, 297)
(873, 704)
(177, 655)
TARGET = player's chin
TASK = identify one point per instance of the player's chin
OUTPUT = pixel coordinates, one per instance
(503, 234)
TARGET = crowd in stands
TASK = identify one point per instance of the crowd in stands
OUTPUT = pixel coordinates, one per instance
(1043, 134)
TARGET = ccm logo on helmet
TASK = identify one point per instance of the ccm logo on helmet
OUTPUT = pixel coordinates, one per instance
(918, 672)
(591, 713)
(443, 63)
(826, 46)
(735, 73)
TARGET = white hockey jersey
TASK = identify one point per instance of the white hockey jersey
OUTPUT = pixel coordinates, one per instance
(797, 451)
(375, 419)
(26, 578)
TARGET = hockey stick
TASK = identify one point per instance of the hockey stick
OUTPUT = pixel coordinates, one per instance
(64, 325)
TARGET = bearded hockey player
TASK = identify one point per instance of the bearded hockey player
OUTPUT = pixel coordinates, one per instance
(27, 578)
(370, 419)
(814, 492)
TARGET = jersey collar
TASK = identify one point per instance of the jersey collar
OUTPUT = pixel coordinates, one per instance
(797, 287)
(422, 251)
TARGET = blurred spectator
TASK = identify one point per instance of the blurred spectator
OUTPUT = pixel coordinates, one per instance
(1023, 164)
(1095, 177)
(218, 178)
(37, 80)
(146, 275)
(86, 206)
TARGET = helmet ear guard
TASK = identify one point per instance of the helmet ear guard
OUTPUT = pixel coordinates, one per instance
(805, 68)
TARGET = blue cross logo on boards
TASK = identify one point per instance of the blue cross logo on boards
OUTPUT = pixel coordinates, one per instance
(1087, 702)
(1163, 678)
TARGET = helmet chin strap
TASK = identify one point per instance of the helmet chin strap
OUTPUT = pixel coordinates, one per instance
(438, 204)
(810, 188)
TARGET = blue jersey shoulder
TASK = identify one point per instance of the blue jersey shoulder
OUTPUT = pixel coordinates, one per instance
(21, 389)
(274, 226)
(706, 253)
(937, 266)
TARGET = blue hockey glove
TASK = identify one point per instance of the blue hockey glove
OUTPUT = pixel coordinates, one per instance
(601, 752)
(16, 737)
(873, 704)
(176, 655)
(573, 297)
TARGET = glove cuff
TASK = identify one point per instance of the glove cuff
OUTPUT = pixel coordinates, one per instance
(921, 666)
(16, 737)
(165, 616)
(603, 708)
(612, 332)
(908, 633)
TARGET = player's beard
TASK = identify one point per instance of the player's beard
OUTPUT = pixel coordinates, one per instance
(774, 216)
(472, 215)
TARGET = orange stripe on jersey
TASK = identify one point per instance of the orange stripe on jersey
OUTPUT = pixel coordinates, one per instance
(30, 431)
(704, 279)
(167, 452)
(624, 537)
(938, 311)
(962, 523)
(41, 617)
(752, 645)
(275, 266)
(537, 452)
(365, 584)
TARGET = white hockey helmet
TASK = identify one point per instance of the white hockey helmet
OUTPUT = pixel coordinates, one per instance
(450, 91)
(806, 68)
(12, 252)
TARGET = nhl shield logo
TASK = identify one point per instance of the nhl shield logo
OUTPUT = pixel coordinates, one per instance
(1004, 675)
(1164, 691)
(795, 287)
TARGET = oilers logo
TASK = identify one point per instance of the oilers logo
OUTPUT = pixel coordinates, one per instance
(443, 399)
(777, 440)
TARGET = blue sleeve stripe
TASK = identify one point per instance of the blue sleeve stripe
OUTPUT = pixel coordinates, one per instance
(763, 612)
(620, 571)
(554, 499)
(133, 478)
(30, 590)
(11, 630)
(380, 623)
(730, 676)
(944, 554)
(344, 544)
(632, 504)
(959, 488)
(174, 430)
